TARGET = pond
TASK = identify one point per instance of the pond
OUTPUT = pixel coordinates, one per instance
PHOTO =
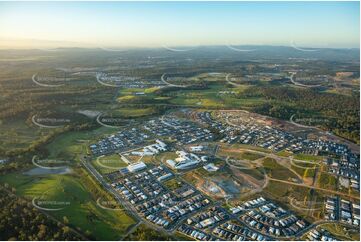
(41, 171)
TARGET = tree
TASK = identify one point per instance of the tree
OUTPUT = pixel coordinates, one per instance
(65, 220)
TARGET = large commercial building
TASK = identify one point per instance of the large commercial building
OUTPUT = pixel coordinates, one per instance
(184, 160)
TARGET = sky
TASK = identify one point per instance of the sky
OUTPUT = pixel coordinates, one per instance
(156, 24)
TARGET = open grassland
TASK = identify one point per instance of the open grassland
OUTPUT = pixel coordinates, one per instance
(300, 171)
(306, 157)
(71, 144)
(305, 164)
(212, 97)
(80, 209)
(305, 170)
(135, 112)
(239, 154)
(327, 181)
(303, 196)
(17, 133)
(257, 173)
(275, 170)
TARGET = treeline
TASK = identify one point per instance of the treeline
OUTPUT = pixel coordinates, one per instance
(22, 99)
(19, 220)
(38, 145)
(341, 111)
(143, 233)
(306, 98)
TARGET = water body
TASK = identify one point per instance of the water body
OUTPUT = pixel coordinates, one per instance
(41, 171)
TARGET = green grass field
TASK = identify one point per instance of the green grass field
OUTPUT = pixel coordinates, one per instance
(135, 112)
(79, 205)
(131, 91)
(166, 156)
(209, 97)
(327, 181)
(173, 184)
(284, 153)
(309, 173)
(129, 95)
(306, 157)
(250, 156)
(109, 163)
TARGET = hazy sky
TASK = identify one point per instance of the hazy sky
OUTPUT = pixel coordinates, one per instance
(155, 24)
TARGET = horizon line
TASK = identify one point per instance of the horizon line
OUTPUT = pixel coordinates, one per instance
(170, 46)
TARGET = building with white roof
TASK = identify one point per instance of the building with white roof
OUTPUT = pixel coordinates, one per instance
(184, 160)
(137, 167)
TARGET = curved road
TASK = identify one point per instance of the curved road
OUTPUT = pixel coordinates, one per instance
(300, 84)
(170, 84)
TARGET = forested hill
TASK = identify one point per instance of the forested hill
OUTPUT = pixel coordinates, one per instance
(334, 112)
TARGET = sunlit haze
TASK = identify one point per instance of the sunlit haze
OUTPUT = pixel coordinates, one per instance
(156, 24)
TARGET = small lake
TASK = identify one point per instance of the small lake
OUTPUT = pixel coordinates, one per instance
(41, 171)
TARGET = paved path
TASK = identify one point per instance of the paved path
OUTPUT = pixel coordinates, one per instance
(131, 230)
